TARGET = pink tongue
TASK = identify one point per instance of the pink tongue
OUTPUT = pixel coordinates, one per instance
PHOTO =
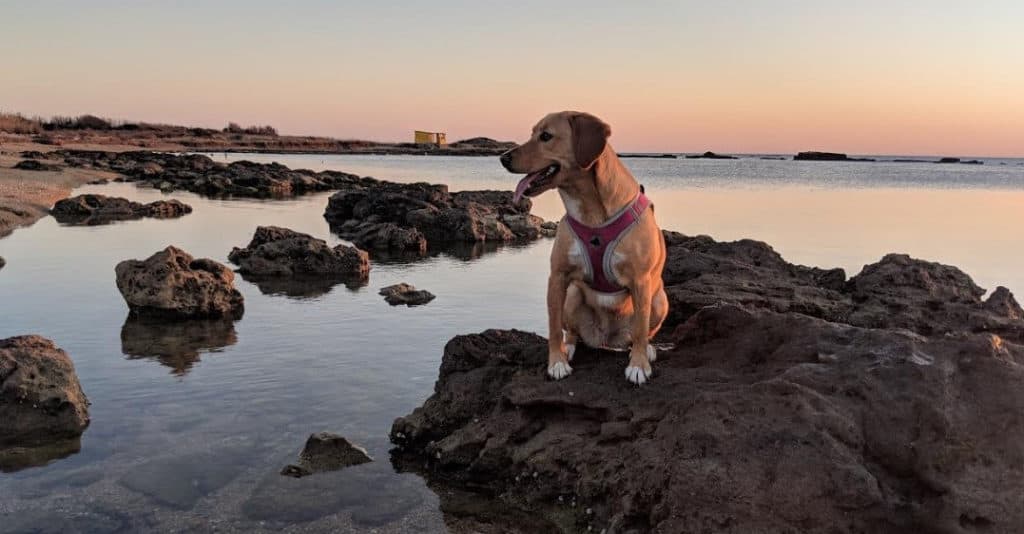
(523, 185)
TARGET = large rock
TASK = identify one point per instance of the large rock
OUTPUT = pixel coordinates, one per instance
(386, 215)
(791, 400)
(41, 401)
(171, 284)
(100, 209)
(33, 165)
(280, 252)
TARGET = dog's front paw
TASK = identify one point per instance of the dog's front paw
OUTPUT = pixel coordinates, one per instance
(559, 369)
(638, 374)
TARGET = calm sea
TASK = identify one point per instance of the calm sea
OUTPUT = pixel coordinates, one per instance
(190, 426)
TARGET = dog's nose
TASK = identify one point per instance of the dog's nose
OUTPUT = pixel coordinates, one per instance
(506, 160)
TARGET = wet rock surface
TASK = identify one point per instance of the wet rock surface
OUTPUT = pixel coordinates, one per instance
(200, 174)
(386, 215)
(403, 293)
(792, 400)
(41, 400)
(171, 284)
(325, 451)
(100, 209)
(280, 252)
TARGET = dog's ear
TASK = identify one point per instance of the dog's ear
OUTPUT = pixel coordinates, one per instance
(590, 136)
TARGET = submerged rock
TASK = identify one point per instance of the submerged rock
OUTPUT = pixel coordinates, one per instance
(403, 293)
(280, 252)
(386, 215)
(786, 399)
(100, 209)
(325, 451)
(41, 401)
(171, 284)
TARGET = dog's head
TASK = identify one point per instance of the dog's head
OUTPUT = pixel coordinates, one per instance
(561, 149)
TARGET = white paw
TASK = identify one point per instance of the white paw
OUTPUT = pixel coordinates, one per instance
(559, 370)
(652, 353)
(570, 349)
(637, 375)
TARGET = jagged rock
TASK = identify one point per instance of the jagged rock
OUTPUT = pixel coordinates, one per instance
(100, 209)
(786, 399)
(280, 252)
(403, 293)
(41, 401)
(325, 451)
(172, 284)
(200, 174)
(386, 215)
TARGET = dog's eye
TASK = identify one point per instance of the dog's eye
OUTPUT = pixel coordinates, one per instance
(545, 137)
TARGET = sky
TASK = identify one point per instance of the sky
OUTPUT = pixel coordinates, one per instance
(869, 77)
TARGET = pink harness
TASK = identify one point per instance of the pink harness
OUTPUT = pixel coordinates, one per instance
(599, 243)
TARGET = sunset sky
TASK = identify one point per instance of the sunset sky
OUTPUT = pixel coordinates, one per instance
(871, 77)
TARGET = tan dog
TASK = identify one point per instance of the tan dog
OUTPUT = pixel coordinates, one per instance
(570, 151)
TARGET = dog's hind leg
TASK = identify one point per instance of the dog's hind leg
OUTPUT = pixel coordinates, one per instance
(573, 302)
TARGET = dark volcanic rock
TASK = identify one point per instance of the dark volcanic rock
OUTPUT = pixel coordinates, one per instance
(2, 263)
(948, 160)
(792, 400)
(709, 155)
(325, 451)
(280, 252)
(100, 209)
(41, 401)
(175, 344)
(826, 156)
(387, 215)
(171, 284)
(403, 293)
(34, 165)
(200, 174)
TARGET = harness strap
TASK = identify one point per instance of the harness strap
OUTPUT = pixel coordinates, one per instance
(599, 242)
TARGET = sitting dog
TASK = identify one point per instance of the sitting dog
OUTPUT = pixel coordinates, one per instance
(605, 287)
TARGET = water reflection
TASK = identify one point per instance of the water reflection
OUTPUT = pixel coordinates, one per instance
(176, 344)
(473, 511)
(460, 251)
(18, 458)
(301, 287)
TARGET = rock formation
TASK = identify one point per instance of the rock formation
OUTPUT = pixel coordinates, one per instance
(171, 284)
(280, 252)
(325, 451)
(100, 209)
(786, 399)
(41, 401)
(403, 293)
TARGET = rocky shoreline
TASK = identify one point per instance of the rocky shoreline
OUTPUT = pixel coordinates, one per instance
(791, 399)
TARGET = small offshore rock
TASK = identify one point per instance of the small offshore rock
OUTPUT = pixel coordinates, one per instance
(325, 451)
(403, 293)
(93, 209)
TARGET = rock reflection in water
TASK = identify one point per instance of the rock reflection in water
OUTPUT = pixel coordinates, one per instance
(176, 344)
(459, 251)
(300, 287)
(18, 458)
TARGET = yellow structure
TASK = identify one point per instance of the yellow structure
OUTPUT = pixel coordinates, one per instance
(430, 138)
